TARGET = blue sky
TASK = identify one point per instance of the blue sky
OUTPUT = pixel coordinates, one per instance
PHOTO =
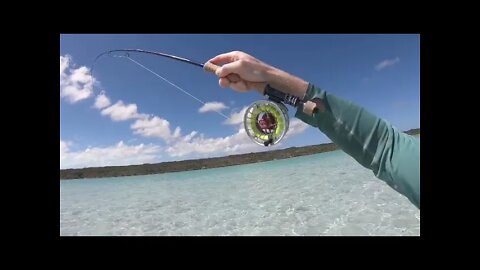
(146, 120)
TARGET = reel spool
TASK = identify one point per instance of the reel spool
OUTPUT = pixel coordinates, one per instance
(266, 122)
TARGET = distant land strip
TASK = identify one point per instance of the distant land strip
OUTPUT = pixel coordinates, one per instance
(198, 164)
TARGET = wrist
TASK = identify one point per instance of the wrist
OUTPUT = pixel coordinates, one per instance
(286, 82)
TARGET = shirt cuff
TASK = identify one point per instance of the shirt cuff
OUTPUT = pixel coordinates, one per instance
(311, 94)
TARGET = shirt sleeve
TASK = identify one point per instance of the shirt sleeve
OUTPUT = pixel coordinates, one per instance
(392, 155)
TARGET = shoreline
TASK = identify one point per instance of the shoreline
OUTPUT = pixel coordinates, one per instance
(199, 164)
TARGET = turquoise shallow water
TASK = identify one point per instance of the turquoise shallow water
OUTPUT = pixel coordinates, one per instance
(322, 194)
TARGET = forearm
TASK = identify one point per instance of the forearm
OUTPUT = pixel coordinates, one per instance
(392, 155)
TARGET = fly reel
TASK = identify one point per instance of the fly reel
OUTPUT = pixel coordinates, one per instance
(266, 122)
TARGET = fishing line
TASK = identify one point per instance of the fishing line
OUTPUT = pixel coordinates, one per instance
(158, 75)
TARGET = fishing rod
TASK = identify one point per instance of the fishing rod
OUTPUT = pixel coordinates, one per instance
(266, 122)
(153, 53)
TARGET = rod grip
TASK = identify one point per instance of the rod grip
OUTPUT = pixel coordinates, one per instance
(209, 67)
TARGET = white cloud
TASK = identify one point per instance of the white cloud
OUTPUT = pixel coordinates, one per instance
(201, 145)
(64, 63)
(122, 112)
(233, 144)
(212, 107)
(102, 101)
(75, 84)
(236, 117)
(145, 126)
(237, 143)
(296, 126)
(177, 132)
(386, 63)
(63, 150)
(190, 146)
(189, 136)
(81, 75)
(155, 127)
(116, 155)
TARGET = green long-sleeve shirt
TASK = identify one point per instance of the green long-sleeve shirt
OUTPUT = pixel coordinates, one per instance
(392, 155)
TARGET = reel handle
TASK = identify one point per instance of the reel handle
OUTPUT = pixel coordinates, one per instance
(310, 107)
